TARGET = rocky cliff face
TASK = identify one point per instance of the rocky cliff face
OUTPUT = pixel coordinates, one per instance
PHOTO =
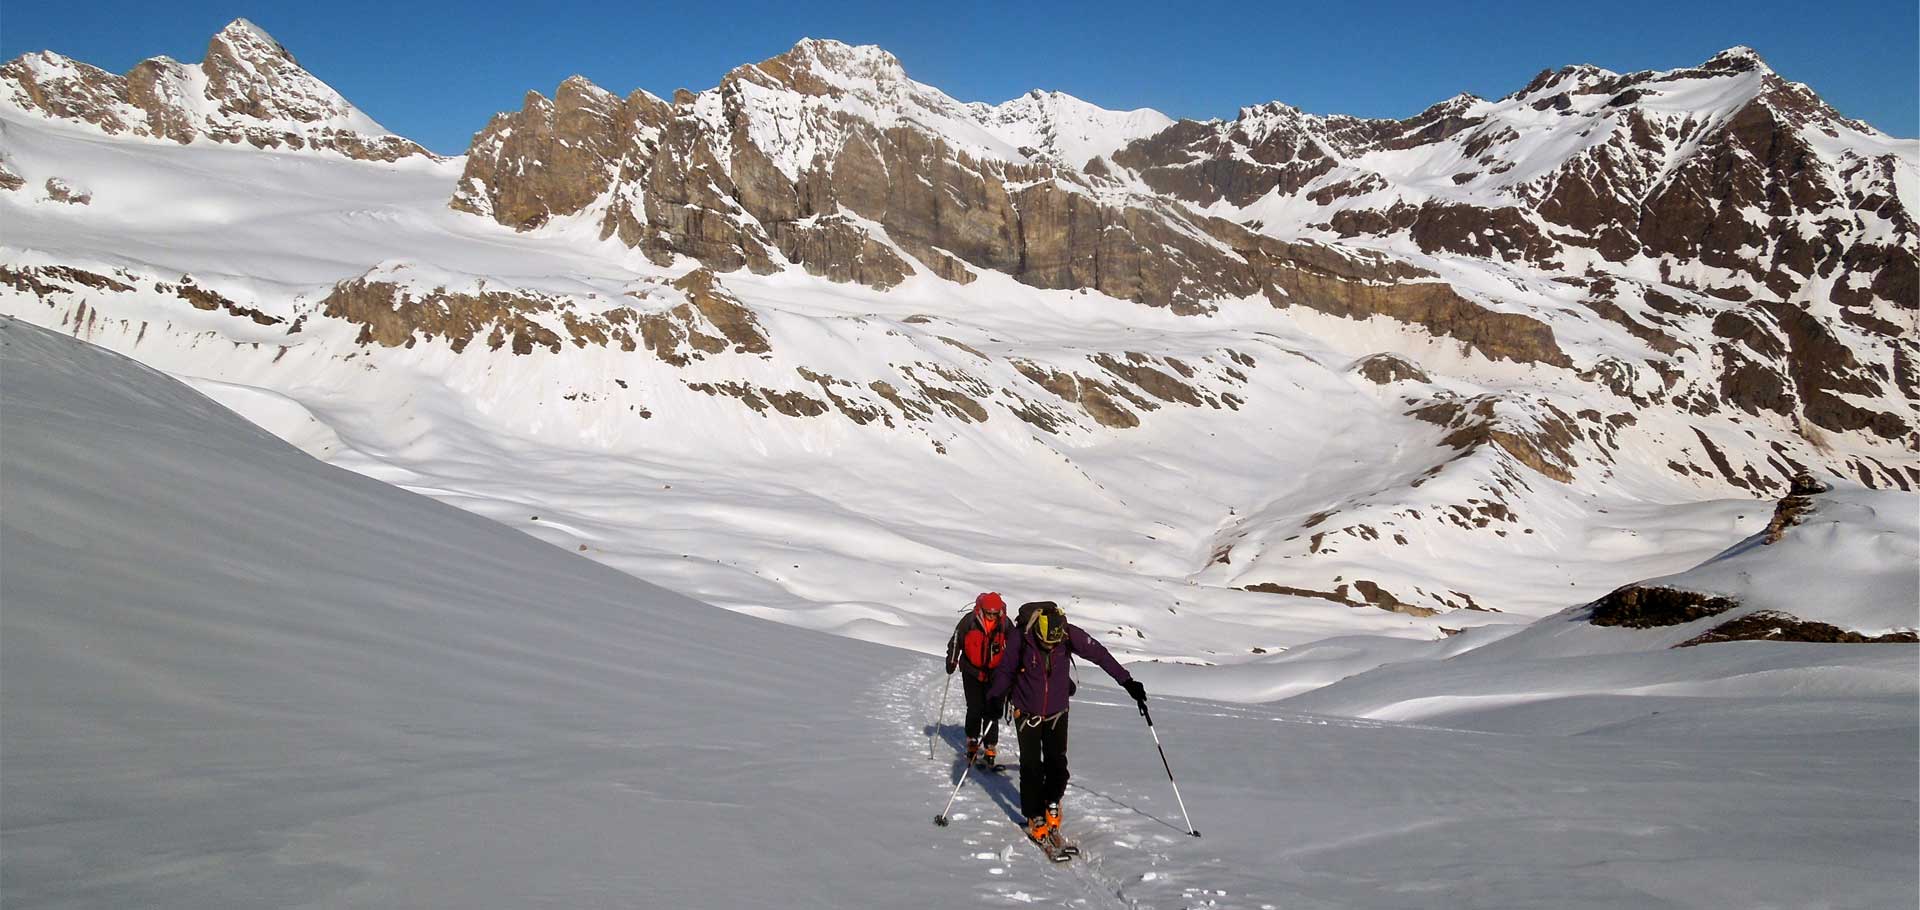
(247, 89)
(799, 159)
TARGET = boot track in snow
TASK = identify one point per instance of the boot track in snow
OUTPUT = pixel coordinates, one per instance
(985, 814)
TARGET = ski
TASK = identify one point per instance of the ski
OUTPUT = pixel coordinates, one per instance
(1056, 847)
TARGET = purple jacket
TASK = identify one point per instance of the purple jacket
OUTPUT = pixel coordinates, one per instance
(1039, 678)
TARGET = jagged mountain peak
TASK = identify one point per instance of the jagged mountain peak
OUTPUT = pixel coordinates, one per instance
(1574, 79)
(824, 66)
(243, 39)
(867, 60)
(579, 84)
(248, 88)
(1460, 102)
(1738, 59)
(1271, 110)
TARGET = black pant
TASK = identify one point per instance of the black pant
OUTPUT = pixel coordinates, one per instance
(1043, 763)
(980, 714)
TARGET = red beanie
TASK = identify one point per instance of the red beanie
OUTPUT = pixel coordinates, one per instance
(990, 601)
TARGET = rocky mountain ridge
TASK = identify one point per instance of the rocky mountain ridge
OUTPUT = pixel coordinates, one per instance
(1707, 198)
(247, 89)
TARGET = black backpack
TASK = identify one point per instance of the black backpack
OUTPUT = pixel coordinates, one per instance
(1030, 611)
(1024, 621)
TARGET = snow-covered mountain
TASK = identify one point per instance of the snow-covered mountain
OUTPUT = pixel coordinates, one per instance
(1064, 130)
(247, 89)
(1186, 382)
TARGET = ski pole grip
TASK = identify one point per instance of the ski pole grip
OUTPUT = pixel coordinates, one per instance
(1143, 712)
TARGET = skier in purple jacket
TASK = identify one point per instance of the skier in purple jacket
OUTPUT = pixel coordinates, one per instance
(1035, 674)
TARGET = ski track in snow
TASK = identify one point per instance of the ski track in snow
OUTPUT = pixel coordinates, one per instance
(1126, 859)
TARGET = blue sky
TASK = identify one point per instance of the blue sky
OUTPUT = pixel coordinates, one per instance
(436, 72)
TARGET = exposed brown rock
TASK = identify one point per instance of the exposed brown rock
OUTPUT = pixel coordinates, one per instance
(1645, 607)
(1155, 382)
(1605, 307)
(833, 248)
(552, 158)
(1372, 595)
(1794, 506)
(1500, 233)
(856, 410)
(792, 404)
(1337, 595)
(724, 311)
(1206, 163)
(1384, 599)
(1101, 406)
(59, 190)
(8, 179)
(77, 91)
(1356, 288)
(394, 316)
(205, 299)
(909, 408)
(45, 281)
(1545, 447)
(1772, 625)
(1382, 369)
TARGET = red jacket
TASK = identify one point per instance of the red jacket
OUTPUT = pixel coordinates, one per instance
(977, 646)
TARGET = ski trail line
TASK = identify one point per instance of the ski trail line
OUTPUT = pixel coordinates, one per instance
(984, 815)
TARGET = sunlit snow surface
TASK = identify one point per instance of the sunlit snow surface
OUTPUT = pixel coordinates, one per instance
(233, 676)
(863, 531)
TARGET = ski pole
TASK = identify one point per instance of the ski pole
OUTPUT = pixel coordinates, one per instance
(938, 718)
(941, 819)
(1163, 763)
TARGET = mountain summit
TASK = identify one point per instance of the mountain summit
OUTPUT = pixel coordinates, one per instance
(247, 89)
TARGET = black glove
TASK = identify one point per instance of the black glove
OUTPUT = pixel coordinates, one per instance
(1135, 689)
(950, 667)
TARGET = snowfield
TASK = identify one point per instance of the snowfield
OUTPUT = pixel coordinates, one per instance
(235, 676)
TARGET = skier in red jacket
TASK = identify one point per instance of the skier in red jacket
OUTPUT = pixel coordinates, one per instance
(976, 646)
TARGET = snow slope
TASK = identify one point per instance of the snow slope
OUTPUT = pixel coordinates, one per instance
(1851, 562)
(1065, 129)
(234, 676)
